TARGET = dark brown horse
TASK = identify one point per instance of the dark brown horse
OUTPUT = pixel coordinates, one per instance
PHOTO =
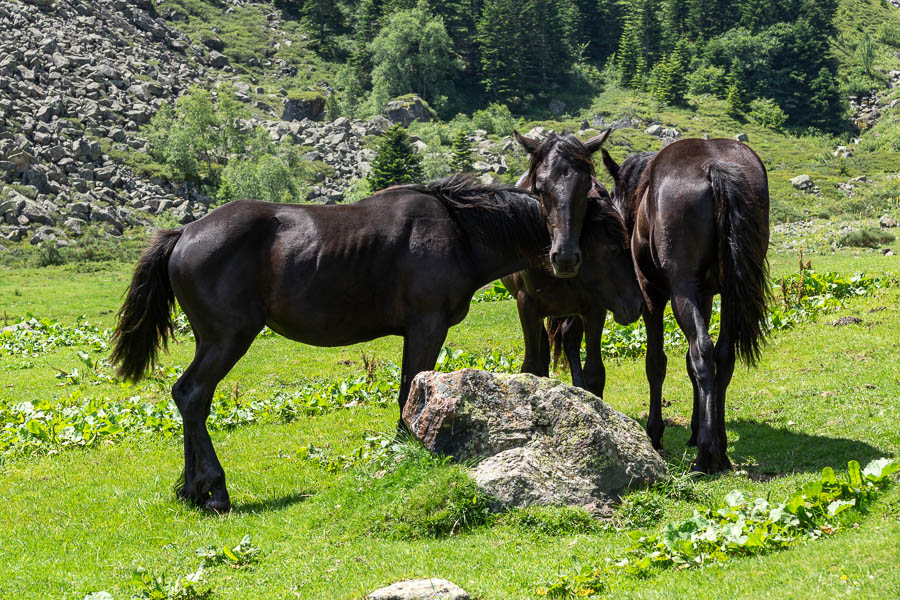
(404, 262)
(699, 216)
(606, 281)
(561, 173)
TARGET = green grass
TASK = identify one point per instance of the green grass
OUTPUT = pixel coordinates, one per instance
(82, 520)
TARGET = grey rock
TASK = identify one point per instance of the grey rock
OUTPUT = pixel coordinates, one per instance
(655, 129)
(557, 107)
(742, 137)
(887, 221)
(420, 589)
(217, 60)
(802, 182)
(307, 106)
(537, 440)
(408, 109)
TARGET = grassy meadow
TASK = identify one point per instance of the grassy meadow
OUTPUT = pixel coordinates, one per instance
(327, 523)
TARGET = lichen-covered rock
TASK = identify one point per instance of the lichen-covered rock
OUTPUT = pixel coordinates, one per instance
(407, 109)
(420, 589)
(536, 440)
(304, 105)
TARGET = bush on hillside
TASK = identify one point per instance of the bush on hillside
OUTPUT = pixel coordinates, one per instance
(868, 237)
(767, 113)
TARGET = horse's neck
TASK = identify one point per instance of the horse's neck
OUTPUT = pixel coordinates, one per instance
(518, 240)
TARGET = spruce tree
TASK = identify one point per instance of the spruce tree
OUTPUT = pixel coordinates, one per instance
(396, 161)
(461, 153)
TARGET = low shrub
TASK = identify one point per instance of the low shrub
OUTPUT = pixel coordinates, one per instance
(552, 520)
(868, 237)
(445, 503)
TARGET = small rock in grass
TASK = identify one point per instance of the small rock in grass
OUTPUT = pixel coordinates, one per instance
(847, 321)
(420, 589)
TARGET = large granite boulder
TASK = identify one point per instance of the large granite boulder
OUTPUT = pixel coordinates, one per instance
(407, 109)
(536, 441)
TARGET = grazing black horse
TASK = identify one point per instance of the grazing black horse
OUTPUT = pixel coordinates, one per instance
(698, 213)
(605, 281)
(405, 261)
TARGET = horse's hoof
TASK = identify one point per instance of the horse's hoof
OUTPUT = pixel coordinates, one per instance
(711, 466)
(217, 506)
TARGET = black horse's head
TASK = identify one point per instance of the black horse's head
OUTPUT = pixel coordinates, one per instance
(561, 173)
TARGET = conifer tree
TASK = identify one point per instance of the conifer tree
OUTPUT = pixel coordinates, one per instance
(396, 161)
(461, 153)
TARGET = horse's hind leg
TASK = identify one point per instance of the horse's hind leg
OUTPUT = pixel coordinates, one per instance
(695, 411)
(204, 478)
(655, 366)
(594, 371)
(686, 305)
(724, 371)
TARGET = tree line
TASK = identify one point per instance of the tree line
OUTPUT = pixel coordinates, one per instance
(461, 54)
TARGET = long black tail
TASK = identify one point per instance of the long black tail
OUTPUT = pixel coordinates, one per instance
(555, 337)
(145, 319)
(743, 222)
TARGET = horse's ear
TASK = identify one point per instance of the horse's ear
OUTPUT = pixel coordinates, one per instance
(528, 143)
(595, 142)
(610, 164)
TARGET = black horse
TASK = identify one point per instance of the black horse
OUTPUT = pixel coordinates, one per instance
(605, 281)
(404, 262)
(698, 213)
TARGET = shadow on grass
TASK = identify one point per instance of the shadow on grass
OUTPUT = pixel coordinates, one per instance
(270, 504)
(776, 451)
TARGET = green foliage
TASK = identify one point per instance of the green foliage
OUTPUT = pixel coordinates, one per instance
(195, 138)
(640, 509)
(551, 520)
(396, 161)
(494, 292)
(244, 555)
(266, 172)
(160, 587)
(411, 54)
(865, 52)
(461, 157)
(736, 527)
(867, 237)
(767, 113)
(447, 503)
(734, 96)
(525, 46)
(667, 81)
(708, 79)
(33, 336)
(496, 119)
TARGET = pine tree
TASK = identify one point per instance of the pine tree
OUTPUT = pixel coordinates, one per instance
(736, 99)
(461, 153)
(396, 161)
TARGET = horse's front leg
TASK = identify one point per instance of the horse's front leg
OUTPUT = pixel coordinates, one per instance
(572, 331)
(594, 371)
(537, 347)
(711, 456)
(421, 345)
(655, 366)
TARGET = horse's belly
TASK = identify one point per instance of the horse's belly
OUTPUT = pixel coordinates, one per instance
(331, 328)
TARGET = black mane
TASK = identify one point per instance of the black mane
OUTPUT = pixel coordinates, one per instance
(566, 146)
(628, 179)
(496, 213)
